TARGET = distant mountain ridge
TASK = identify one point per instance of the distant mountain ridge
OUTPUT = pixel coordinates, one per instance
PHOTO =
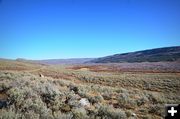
(64, 61)
(151, 55)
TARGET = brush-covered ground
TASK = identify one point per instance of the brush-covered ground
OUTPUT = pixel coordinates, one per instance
(34, 91)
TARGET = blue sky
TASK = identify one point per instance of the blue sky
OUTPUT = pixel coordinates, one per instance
(45, 29)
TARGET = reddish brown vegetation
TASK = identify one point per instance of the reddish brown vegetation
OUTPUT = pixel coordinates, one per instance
(161, 67)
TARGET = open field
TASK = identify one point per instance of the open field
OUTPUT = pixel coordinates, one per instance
(88, 91)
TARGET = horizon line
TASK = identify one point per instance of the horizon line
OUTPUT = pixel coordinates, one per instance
(68, 58)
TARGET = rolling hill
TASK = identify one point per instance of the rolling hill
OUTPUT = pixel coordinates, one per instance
(151, 55)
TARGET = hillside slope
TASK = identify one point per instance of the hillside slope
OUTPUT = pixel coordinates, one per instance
(152, 55)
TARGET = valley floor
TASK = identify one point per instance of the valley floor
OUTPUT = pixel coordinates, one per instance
(97, 91)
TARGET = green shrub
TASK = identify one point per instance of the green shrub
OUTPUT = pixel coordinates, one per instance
(111, 113)
(156, 98)
(95, 99)
(157, 109)
(10, 114)
(60, 115)
(79, 113)
(31, 115)
(16, 96)
(125, 101)
(142, 101)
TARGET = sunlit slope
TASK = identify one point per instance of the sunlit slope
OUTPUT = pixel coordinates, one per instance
(18, 65)
(152, 55)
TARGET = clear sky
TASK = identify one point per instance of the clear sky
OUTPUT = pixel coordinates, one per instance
(45, 29)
